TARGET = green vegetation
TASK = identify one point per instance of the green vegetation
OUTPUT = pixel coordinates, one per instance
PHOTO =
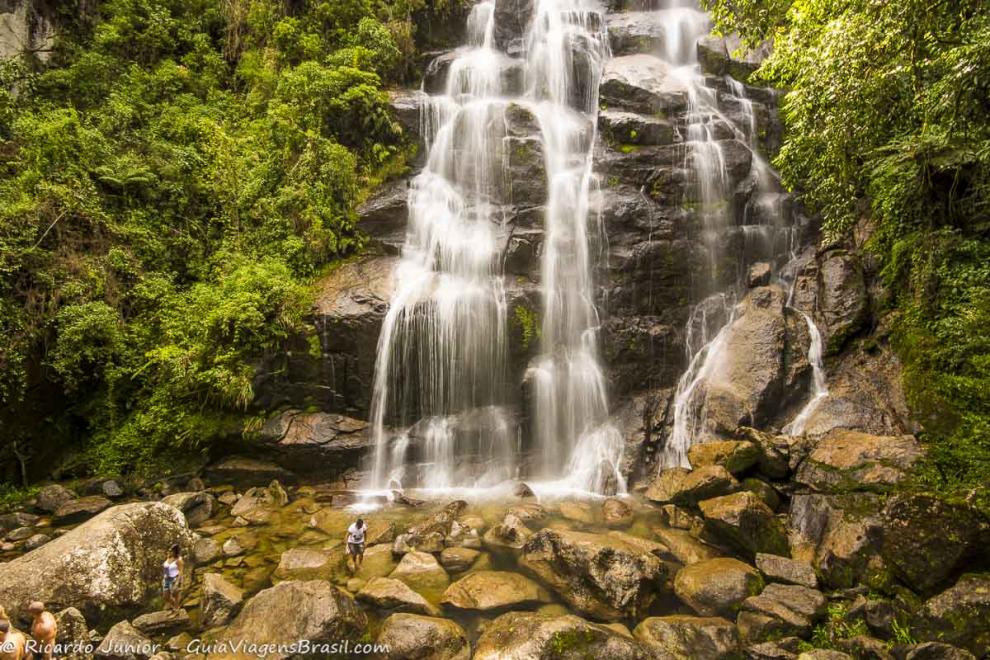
(888, 130)
(169, 181)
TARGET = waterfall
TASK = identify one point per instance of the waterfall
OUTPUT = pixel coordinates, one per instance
(443, 408)
(819, 386)
(763, 221)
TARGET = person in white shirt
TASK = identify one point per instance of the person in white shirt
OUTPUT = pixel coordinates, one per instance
(355, 543)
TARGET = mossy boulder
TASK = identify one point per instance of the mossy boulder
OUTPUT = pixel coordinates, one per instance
(682, 486)
(700, 638)
(736, 456)
(537, 636)
(717, 587)
(745, 522)
(416, 637)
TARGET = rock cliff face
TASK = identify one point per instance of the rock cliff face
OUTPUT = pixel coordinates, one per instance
(653, 275)
(26, 28)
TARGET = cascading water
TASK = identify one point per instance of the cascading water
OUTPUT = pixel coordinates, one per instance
(440, 377)
(442, 404)
(819, 386)
(761, 224)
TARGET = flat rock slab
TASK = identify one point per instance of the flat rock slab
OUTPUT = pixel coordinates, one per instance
(493, 590)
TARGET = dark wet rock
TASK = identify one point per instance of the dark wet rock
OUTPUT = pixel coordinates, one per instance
(197, 507)
(642, 83)
(35, 541)
(545, 637)
(849, 460)
(774, 451)
(682, 486)
(630, 128)
(220, 602)
(702, 638)
(717, 587)
(163, 622)
(111, 561)
(759, 275)
(745, 522)
(511, 20)
(320, 614)
(718, 56)
(52, 497)
(245, 471)
(600, 575)
(960, 615)
(493, 590)
(306, 442)
(125, 642)
(927, 540)
(522, 490)
(784, 569)
(406, 108)
(415, 637)
(842, 301)
(736, 456)
(391, 594)
(80, 509)
(767, 493)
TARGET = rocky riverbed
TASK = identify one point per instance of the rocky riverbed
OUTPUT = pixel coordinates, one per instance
(772, 546)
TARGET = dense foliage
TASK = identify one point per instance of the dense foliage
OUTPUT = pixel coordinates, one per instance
(169, 180)
(888, 126)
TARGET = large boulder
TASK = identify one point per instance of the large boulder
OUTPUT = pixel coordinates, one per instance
(197, 506)
(836, 534)
(762, 365)
(220, 601)
(684, 546)
(679, 636)
(736, 456)
(717, 587)
(493, 590)
(850, 460)
(960, 615)
(643, 84)
(842, 298)
(926, 540)
(780, 610)
(391, 594)
(603, 576)
(312, 612)
(52, 497)
(681, 486)
(533, 636)
(415, 637)
(305, 564)
(635, 32)
(111, 561)
(745, 522)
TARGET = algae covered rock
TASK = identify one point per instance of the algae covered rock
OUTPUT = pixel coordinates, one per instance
(415, 637)
(534, 636)
(717, 587)
(493, 590)
(700, 638)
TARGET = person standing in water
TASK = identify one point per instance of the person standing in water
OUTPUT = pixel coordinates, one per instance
(44, 629)
(355, 543)
(172, 578)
